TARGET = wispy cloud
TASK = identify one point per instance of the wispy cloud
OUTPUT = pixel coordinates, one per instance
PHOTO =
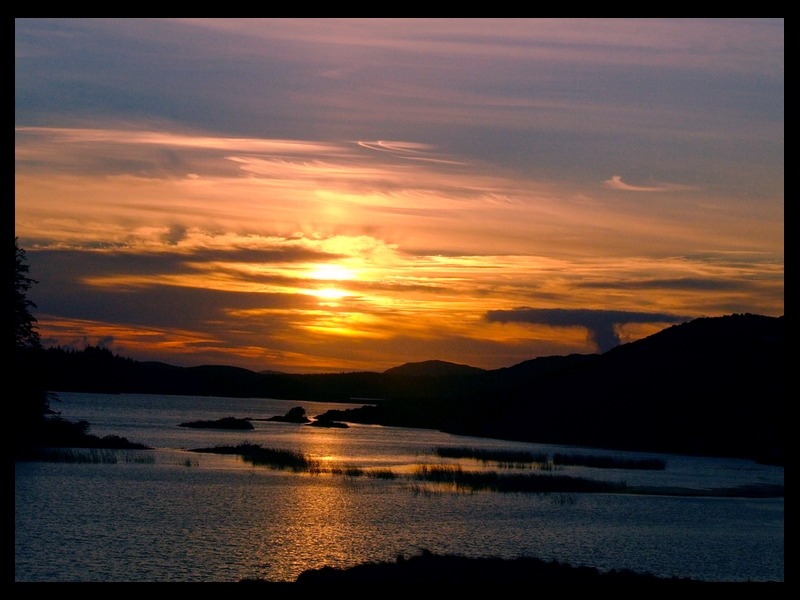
(408, 151)
(616, 183)
(177, 140)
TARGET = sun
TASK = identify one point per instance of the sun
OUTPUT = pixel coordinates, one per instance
(331, 272)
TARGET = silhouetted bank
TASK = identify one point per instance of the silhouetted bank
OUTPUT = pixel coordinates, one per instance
(293, 415)
(531, 483)
(713, 386)
(330, 424)
(226, 423)
(522, 458)
(609, 462)
(435, 568)
(60, 433)
(514, 458)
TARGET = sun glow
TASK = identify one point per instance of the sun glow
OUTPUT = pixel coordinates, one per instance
(329, 293)
(331, 272)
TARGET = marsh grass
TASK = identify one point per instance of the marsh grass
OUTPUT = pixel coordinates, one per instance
(382, 474)
(519, 459)
(444, 476)
(511, 482)
(353, 471)
(522, 459)
(564, 499)
(425, 491)
(70, 455)
(140, 458)
(347, 471)
(259, 456)
(609, 462)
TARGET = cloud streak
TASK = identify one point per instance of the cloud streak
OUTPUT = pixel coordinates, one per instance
(177, 140)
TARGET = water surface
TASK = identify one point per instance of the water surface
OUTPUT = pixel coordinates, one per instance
(197, 517)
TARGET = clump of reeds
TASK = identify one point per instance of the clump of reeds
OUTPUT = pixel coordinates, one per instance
(609, 462)
(564, 499)
(382, 474)
(69, 455)
(256, 455)
(353, 471)
(141, 458)
(505, 458)
(512, 482)
(347, 471)
(423, 490)
(438, 473)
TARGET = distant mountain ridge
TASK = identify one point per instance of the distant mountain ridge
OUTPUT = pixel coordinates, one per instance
(98, 370)
(710, 386)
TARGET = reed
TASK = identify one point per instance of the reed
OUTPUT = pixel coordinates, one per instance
(141, 458)
(505, 458)
(609, 462)
(347, 471)
(259, 456)
(423, 490)
(512, 482)
(69, 455)
(382, 474)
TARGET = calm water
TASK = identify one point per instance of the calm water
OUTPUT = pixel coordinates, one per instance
(189, 517)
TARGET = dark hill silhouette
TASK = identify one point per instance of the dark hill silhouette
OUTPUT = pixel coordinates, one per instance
(432, 368)
(712, 386)
(98, 370)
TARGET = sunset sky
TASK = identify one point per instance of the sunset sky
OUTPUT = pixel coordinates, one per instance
(313, 196)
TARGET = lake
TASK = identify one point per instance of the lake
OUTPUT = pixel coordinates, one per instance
(172, 515)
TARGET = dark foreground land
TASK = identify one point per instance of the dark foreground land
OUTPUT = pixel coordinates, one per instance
(434, 568)
(60, 433)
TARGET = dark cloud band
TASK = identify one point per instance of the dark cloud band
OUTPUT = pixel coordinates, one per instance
(599, 323)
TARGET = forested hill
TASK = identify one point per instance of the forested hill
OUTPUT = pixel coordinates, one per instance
(712, 386)
(99, 370)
